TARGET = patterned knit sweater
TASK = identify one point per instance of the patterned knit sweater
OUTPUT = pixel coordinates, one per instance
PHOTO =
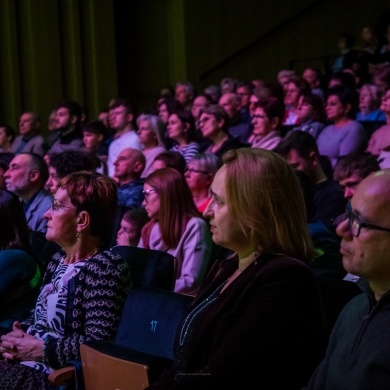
(95, 299)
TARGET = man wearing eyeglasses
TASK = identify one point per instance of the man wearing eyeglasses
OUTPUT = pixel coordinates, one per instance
(358, 355)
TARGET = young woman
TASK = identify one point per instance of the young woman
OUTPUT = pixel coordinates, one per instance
(181, 129)
(176, 227)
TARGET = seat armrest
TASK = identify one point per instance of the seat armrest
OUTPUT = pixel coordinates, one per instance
(62, 376)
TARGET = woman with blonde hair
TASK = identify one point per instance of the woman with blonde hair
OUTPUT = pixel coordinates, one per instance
(151, 131)
(176, 227)
(257, 321)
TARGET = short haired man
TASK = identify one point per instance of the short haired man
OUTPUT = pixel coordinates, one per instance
(300, 150)
(231, 103)
(26, 177)
(68, 123)
(358, 353)
(128, 169)
(29, 140)
(350, 170)
(121, 122)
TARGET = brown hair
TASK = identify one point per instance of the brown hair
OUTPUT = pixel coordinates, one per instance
(176, 204)
(96, 194)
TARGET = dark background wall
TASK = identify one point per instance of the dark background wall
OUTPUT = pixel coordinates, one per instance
(93, 50)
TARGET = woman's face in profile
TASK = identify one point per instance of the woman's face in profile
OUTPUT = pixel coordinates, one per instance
(223, 226)
(151, 201)
(262, 125)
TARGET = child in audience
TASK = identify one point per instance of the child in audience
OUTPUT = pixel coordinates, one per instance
(131, 225)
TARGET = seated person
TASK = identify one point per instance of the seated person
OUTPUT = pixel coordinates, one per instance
(181, 130)
(176, 227)
(345, 135)
(94, 137)
(369, 102)
(26, 177)
(169, 159)
(266, 122)
(300, 150)
(311, 114)
(199, 176)
(128, 169)
(260, 309)
(131, 224)
(62, 164)
(151, 134)
(380, 139)
(214, 125)
(66, 313)
(5, 159)
(20, 277)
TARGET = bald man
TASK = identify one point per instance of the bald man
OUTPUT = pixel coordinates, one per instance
(128, 169)
(358, 355)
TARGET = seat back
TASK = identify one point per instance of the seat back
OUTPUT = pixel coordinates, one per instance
(149, 320)
(148, 267)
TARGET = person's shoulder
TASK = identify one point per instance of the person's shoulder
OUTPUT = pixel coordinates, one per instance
(16, 256)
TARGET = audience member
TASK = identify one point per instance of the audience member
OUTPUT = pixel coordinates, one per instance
(381, 78)
(151, 133)
(347, 55)
(345, 135)
(358, 351)
(343, 78)
(5, 159)
(19, 272)
(62, 164)
(26, 177)
(200, 102)
(228, 85)
(369, 101)
(83, 290)
(300, 150)
(131, 225)
(94, 135)
(295, 88)
(128, 169)
(199, 175)
(184, 94)
(29, 140)
(261, 307)
(169, 159)
(244, 90)
(284, 76)
(267, 120)
(214, 123)
(311, 114)
(176, 227)
(314, 77)
(181, 129)
(54, 133)
(214, 91)
(68, 123)
(125, 136)
(238, 127)
(350, 170)
(380, 139)
(165, 107)
(7, 136)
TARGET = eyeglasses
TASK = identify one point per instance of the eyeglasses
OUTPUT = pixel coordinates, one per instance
(146, 193)
(356, 223)
(196, 171)
(56, 207)
(258, 116)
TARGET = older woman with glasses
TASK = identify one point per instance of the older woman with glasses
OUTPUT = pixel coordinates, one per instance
(83, 289)
(199, 176)
(176, 227)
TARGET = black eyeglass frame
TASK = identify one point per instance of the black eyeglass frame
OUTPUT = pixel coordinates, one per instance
(354, 219)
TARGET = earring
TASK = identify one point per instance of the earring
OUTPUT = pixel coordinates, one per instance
(77, 235)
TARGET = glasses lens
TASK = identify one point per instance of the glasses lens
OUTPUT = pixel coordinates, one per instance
(353, 220)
